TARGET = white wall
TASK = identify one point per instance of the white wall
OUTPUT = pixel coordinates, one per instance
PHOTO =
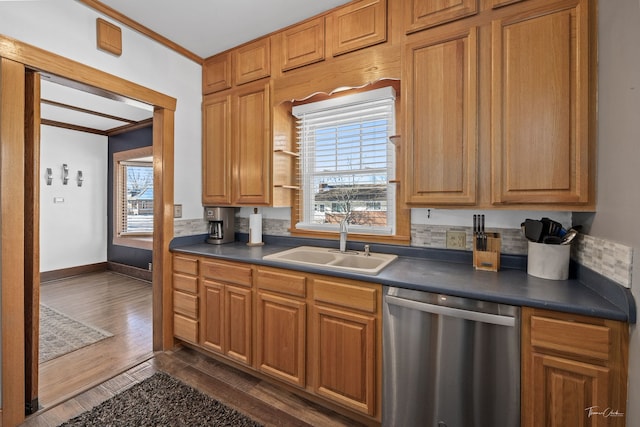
(619, 152)
(68, 28)
(73, 232)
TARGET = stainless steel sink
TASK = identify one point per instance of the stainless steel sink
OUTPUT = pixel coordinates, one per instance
(332, 259)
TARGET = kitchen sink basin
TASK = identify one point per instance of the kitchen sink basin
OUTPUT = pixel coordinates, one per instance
(333, 259)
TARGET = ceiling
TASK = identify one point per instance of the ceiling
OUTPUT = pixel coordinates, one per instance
(202, 27)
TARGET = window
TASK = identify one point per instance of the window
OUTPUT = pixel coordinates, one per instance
(347, 162)
(133, 193)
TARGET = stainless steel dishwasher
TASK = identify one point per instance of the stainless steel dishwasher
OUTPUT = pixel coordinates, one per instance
(449, 361)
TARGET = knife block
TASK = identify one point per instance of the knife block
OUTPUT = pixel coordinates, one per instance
(488, 260)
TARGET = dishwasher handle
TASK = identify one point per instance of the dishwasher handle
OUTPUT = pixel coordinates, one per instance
(476, 316)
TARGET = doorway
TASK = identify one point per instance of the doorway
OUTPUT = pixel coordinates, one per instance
(93, 322)
(19, 275)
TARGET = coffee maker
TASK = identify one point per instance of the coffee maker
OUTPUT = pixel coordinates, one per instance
(221, 224)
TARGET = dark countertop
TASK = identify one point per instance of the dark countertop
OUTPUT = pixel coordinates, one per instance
(448, 272)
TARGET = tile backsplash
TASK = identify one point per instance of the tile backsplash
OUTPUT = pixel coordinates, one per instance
(609, 259)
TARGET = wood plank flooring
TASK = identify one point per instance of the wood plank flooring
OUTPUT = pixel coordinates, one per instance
(265, 403)
(112, 302)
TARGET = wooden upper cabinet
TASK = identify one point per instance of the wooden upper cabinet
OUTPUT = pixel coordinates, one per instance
(252, 61)
(421, 14)
(216, 73)
(542, 151)
(252, 147)
(357, 25)
(441, 114)
(216, 150)
(303, 44)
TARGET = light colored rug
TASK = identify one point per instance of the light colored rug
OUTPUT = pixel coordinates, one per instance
(60, 334)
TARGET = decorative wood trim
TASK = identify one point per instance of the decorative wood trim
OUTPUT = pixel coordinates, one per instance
(12, 186)
(32, 238)
(131, 127)
(62, 273)
(130, 270)
(109, 37)
(84, 110)
(16, 55)
(39, 59)
(106, 10)
(72, 127)
(163, 143)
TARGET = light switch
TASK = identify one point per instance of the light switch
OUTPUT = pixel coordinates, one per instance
(177, 211)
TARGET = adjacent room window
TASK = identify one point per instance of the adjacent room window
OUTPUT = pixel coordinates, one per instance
(133, 192)
(347, 162)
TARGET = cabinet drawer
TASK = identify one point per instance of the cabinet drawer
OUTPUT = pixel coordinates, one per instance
(185, 265)
(231, 273)
(185, 328)
(185, 283)
(344, 295)
(285, 283)
(576, 338)
(185, 304)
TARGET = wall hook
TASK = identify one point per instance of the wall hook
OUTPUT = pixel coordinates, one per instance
(80, 179)
(49, 176)
(65, 174)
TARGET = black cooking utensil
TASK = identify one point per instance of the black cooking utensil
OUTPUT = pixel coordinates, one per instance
(533, 230)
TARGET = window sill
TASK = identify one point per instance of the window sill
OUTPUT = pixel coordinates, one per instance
(353, 237)
(139, 242)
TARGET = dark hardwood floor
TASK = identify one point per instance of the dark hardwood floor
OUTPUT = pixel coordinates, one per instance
(75, 384)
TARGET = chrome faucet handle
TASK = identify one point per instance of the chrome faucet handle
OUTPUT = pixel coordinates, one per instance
(366, 250)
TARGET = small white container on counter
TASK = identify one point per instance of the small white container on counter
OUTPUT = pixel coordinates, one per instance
(548, 261)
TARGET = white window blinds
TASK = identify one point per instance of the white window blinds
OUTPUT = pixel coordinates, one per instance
(346, 162)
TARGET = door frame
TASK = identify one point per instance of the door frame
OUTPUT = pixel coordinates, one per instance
(22, 59)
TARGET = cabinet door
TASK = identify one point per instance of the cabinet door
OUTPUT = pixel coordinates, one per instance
(281, 338)
(252, 61)
(358, 25)
(568, 393)
(237, 313)
(441, 108)
(213, 316)
(216, 73)
(252, 146)
(541, 147)
(303, 44)
(216, 150)
(421, 14)
(345, 359)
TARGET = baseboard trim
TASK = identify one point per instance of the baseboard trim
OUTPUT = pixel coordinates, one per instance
(46, 276)
(131, 271)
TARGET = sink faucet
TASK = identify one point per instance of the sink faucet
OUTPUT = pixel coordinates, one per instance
(344, 229)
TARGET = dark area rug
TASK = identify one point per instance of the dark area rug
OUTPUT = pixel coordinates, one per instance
(161, 400)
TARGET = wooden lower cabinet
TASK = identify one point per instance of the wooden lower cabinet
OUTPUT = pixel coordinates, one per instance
(574, 370)
(347, 343)
(226, 310)
(345, 358)
(281, 337)
(320, 334)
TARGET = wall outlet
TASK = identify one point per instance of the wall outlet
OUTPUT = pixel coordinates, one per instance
(177, 211)
(456, 239)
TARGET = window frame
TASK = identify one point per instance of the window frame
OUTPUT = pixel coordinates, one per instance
(402, 234)
(141, 240)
